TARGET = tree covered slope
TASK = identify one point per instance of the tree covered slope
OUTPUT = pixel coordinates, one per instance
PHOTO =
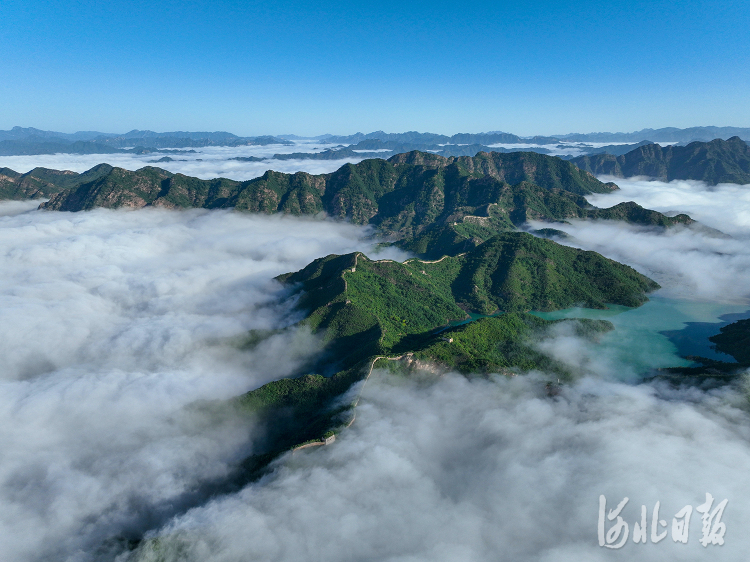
(717, 161)
(415, 314)
(734, 340)
(424, 202)
(353, 191)
(41, 183)
(366, 307)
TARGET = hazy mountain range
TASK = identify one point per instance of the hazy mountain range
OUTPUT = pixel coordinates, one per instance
(666, 134)
(714, 162)
(31, 141)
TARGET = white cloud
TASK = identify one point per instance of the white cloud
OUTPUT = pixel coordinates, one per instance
(687, 262)
(10, 208)
(206, 163)
(111, 323)
(452, 469)
(725, 206)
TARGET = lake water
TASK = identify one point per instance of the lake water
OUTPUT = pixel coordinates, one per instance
(662, 332)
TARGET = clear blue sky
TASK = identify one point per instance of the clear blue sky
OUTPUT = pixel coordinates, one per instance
(311, 67)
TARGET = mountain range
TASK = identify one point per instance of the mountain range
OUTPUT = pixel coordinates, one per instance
(717, 161)
(666, 134)
(375, 148)
(423, 202)
(31, 141)
(465, 304)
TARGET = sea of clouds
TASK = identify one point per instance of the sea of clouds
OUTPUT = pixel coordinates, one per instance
(205, 163)
(114, 324)
(453, 469)
(217, 161)
(111, 324)
(693, 262)
(725, 206)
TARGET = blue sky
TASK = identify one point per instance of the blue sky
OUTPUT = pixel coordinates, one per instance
(312, 67)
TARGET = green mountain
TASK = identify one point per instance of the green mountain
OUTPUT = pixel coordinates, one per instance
(43, 182)
(501, 344)
(354, 191)
(417, 315)
(714, 162)
(295, 411)
(423, 202)
(375, 305)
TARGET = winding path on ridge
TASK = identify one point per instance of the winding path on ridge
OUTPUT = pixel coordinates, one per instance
(375, 359)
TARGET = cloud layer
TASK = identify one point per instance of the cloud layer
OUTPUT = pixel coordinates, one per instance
(688, 262)
(452, 469)
(206, 163)
(111, 324)
(725, 206)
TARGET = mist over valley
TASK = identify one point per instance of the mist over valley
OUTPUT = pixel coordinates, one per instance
(129, 334)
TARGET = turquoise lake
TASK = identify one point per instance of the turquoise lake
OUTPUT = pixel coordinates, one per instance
(661, 332)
